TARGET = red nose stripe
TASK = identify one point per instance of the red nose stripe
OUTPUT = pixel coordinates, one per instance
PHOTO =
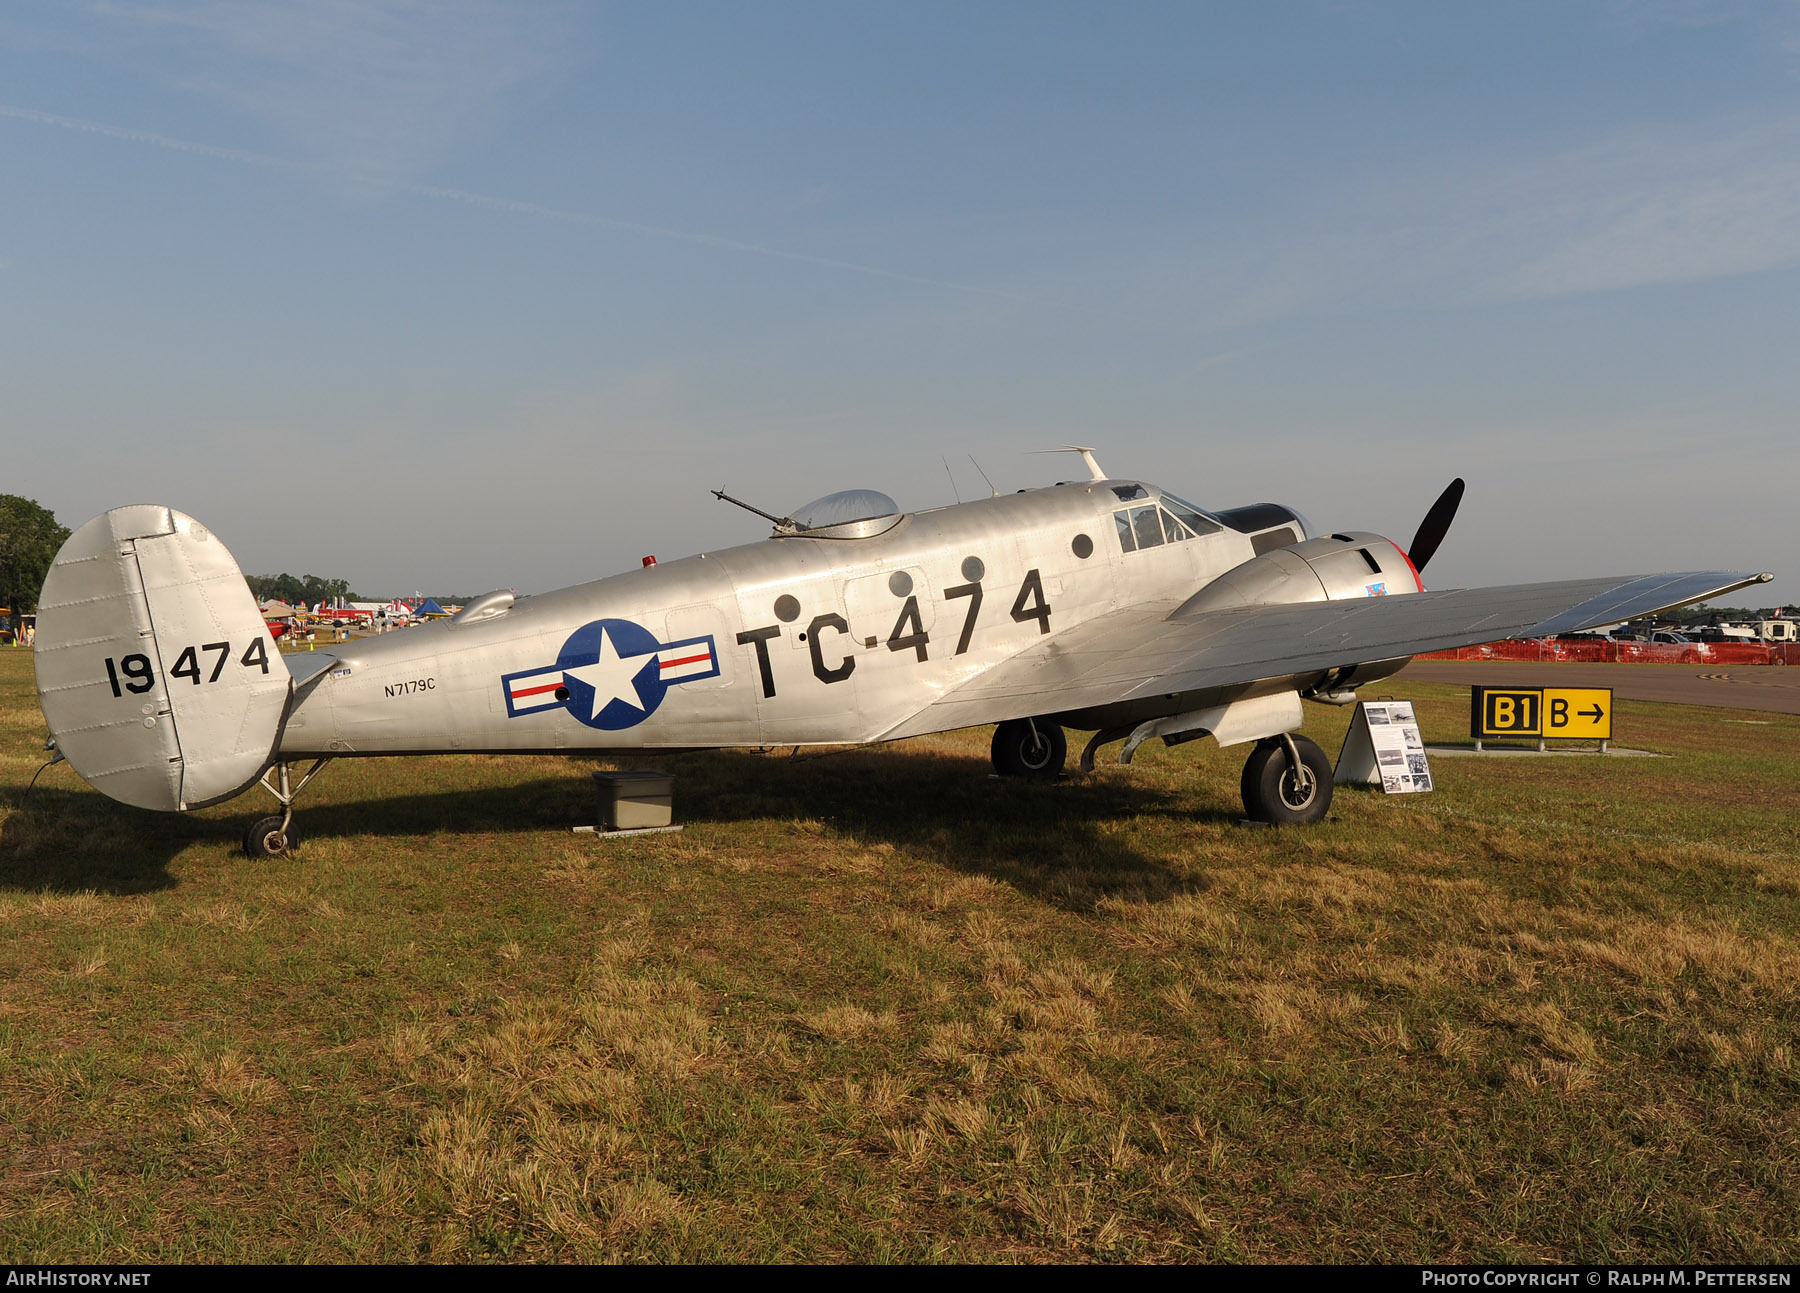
(1409, 565)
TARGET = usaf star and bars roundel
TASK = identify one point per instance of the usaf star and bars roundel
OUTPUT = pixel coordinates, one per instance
(610, 674)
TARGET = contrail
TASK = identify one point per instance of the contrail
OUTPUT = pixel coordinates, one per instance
(246, 158)
(160, 141)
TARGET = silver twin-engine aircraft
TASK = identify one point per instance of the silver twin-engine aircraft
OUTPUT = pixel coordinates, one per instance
(1109, 606)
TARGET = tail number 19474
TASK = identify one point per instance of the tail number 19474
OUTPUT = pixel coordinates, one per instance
(134, 673)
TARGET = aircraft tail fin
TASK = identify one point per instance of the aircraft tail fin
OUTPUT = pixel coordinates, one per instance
(157, 675)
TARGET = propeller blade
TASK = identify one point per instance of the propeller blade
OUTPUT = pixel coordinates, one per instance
(1435, 525)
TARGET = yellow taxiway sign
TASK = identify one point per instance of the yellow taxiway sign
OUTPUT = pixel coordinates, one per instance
(1580, 713)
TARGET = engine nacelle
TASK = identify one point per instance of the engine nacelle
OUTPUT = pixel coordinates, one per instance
(1330, 568)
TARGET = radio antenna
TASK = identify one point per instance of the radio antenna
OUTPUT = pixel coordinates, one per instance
(952, 475)
(782, 524)
(990, 484)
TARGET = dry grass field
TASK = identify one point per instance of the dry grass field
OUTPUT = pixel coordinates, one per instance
(877, 1006)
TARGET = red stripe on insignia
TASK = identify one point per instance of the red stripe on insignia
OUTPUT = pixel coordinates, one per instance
(535, 691)
(690, 659)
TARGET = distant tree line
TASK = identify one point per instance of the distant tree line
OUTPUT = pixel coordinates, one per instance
(1720, 614)
(309, 590)
(29, 538)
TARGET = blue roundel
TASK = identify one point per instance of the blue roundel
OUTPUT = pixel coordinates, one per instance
(605, 689)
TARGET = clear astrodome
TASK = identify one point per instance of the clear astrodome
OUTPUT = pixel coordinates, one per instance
(845, 506)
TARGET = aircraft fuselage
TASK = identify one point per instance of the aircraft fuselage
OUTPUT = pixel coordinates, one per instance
(795, 639)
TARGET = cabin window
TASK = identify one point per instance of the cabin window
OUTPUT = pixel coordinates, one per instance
(1123, 521)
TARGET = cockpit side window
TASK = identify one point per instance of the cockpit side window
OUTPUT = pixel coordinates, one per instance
(1145, 526)
(1123, 521)
(1174, 529)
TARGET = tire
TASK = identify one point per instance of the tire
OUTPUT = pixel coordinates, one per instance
(265, 839)
(1270, 792)
(1021, 751)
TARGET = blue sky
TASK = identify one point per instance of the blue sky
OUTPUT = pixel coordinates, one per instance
(464, 295)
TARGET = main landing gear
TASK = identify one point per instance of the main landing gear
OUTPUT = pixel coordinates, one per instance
(1029, 747)
(277, 836)
(1287, 781)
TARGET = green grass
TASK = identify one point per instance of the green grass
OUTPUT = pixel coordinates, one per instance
(878, 1006)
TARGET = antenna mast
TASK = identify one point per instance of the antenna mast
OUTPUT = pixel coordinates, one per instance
(1087, 456)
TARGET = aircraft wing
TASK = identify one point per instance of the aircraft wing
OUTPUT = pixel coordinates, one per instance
(1131, 655)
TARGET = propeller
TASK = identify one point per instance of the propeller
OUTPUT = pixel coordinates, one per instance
(1435, 525)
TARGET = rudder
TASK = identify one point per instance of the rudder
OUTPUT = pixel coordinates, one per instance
(160, 682)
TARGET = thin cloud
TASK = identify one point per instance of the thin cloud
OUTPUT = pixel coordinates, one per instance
(1636, 208)
(385, 85)
(486, 201)
(1663, 208)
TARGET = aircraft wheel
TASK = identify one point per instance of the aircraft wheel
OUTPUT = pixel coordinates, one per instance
(265, 838)
(1274, 793)
(1029, 748)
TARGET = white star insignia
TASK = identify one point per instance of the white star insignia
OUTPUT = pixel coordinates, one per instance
(610, 676)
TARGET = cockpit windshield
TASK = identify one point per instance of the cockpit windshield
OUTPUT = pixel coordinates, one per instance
(1189, 515)
(1150, 526)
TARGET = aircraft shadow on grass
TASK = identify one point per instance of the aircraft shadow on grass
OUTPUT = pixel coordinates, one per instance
(1046, 839)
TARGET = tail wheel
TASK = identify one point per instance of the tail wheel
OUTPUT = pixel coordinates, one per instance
(1287, 790)
(1029, 747)
(266, 838)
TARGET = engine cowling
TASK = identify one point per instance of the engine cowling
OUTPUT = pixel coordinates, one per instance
(1332, 567)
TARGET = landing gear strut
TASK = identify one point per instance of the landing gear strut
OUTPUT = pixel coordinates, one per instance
(273, 837)
(1287, 781)
(1029, 747)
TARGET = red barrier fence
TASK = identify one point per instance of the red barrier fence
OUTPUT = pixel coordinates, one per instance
(1589, 651)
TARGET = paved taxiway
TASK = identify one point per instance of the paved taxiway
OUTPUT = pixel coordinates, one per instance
(1771, 688)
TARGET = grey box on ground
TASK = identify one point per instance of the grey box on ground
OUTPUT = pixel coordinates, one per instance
(632, 801)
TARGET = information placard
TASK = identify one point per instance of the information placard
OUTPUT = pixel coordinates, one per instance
(1383, 748)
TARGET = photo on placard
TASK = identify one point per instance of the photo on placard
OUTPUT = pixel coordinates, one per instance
(1390, 783)
(1415, 764)
(1401, 713)
(1376, 713)
(1391, 758)
(1421, 781)
(1413, 739)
